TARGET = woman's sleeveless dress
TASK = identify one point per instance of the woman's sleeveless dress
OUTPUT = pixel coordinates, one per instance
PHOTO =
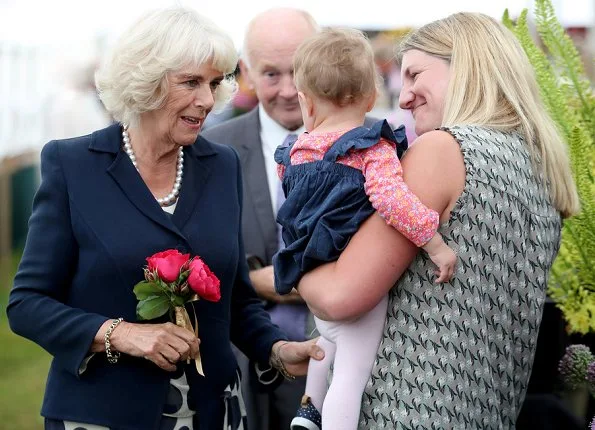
(459, 355)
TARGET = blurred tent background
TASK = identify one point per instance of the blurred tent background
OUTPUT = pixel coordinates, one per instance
(42, 43)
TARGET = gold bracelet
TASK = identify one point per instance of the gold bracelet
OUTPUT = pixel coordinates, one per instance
(112, 356)
(277, 363)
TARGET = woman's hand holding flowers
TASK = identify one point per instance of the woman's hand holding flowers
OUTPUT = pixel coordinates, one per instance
(172, 279)
(163, 344)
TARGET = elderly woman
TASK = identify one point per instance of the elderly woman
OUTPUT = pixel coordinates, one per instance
(109, 200)
(489, 159)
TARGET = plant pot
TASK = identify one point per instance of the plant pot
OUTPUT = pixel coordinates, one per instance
(577, 401)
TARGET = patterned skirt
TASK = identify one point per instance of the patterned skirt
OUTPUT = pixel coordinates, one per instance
(177, 414)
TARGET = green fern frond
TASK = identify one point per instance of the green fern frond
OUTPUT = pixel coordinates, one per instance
(570, 100)
(565, 55)
(507, 21)
(580, 148)
(553, 98)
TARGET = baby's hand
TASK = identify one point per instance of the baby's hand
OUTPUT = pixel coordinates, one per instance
(444, 257)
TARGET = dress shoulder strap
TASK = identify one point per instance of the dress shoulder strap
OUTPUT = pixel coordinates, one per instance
(363, 138)
(283, 151)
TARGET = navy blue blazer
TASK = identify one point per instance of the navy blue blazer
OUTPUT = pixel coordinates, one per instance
(94, 222)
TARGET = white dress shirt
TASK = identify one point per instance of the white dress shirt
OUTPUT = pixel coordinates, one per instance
(272, 135)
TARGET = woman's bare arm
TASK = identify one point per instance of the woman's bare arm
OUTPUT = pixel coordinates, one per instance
(378, 254)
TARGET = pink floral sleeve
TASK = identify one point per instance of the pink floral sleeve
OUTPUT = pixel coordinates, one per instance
(391, 197)
(280, 171)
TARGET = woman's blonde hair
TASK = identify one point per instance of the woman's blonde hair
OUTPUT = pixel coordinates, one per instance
(493, 84)
(134, 77)
(336, 64)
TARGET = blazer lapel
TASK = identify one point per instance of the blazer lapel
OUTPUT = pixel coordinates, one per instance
(196, 173)
(137, 192)
(128, 179)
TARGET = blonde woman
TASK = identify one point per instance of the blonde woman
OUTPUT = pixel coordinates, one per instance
(490, 161)
(335, 176)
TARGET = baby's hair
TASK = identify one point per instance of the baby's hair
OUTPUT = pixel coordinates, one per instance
(337, 64)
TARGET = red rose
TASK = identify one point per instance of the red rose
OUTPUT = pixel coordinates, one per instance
(168, 264)
(203, 282)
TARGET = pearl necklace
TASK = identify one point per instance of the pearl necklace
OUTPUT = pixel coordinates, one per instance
(173, 195)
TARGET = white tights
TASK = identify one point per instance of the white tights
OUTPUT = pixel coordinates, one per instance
(352, 347)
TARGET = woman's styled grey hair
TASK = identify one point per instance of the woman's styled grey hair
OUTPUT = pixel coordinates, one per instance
(134, 77)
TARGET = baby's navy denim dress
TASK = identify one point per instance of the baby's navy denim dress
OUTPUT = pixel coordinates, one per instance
(326, 203)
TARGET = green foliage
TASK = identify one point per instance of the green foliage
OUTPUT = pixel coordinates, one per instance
(152, 307)
(156, 297)
(143, 290)
(569, 98)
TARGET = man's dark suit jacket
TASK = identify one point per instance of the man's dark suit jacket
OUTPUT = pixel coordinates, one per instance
(94, 222)
(267, 410)
(261, 240)
(258, 220)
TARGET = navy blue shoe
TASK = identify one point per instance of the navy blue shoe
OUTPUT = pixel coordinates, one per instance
(307, 416)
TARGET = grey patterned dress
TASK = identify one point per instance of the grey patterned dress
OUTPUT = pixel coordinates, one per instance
(459, 355)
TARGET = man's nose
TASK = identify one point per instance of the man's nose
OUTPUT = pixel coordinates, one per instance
(288, 89)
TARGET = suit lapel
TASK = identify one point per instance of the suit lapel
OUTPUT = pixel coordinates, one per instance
(255, 179)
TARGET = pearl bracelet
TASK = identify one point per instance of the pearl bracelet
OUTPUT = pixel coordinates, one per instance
(277, 363)
(112, 356)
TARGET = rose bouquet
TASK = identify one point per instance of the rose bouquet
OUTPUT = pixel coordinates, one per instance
(173, 279)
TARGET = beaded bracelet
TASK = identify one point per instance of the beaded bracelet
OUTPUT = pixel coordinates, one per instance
(277, 363)
(112, 356)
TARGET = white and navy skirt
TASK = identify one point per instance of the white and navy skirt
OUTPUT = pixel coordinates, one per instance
(177, 414)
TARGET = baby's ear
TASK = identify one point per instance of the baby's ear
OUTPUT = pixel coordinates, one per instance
(302, 98)
(372, 101)
(306, 102)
